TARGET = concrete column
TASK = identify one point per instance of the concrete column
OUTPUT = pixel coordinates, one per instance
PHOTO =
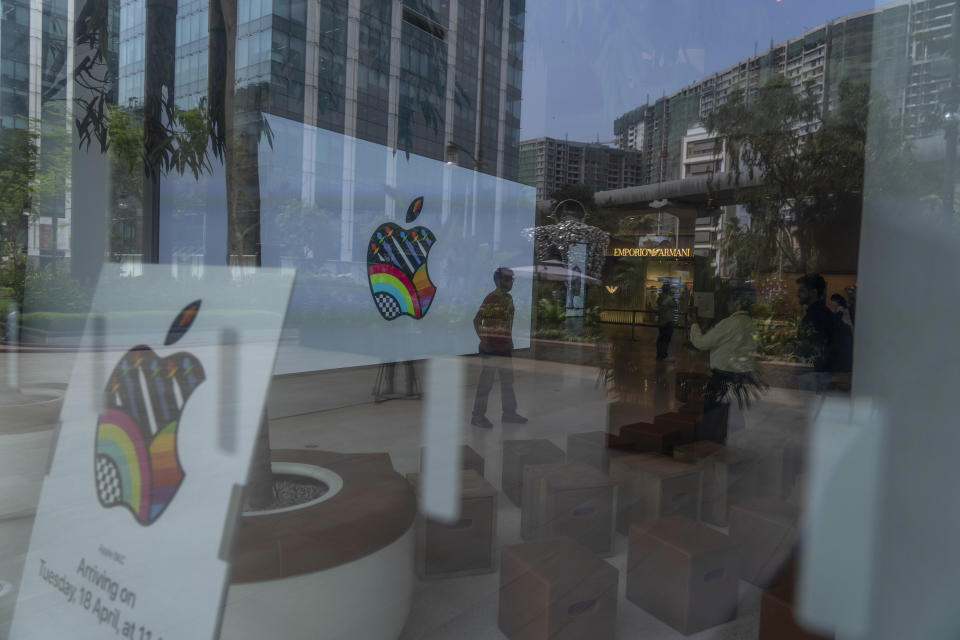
(393, 107)
(449, 103)
(352, 69)
(504, 66)
(308, 183)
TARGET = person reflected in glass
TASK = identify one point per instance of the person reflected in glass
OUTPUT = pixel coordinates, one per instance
(816, 333)
(384, 389)
(851, 292)
(494, 326)
(732, 344)
(843, 324)
(666, 306)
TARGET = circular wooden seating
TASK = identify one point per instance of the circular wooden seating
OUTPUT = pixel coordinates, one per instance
(375, 507)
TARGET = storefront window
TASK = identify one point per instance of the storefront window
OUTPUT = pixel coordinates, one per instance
(396, 319)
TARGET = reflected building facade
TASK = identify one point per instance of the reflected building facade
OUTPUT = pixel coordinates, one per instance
(439, 78)
(35, 56)
(548, 163)
(435, 78)
(910, 41)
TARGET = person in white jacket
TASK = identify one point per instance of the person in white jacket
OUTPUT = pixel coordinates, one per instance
(732, 344)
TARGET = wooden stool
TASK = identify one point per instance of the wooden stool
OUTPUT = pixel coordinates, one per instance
(592, 448)
(556, 590)
(654, 438)
(682, 572)
(768, 449)
(568, 500)
(519, 453)
(469, 459)
(620, 413)
(653, 486)
(765, 532)
(777, 619)
(693, 406)
(727, 475)
(686, 423)
(465, 547)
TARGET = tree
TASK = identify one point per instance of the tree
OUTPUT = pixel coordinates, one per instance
(18, 164)
(807, 209)
(762, 142)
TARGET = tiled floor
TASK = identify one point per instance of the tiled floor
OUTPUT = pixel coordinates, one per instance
(559, 399)
(335, 411)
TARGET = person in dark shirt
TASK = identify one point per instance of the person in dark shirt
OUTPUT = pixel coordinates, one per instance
(666, 305)
(843, 326)
(816, 334)
(852, 303)
(494, 326)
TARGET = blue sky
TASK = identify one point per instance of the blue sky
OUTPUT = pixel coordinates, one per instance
(588, 61)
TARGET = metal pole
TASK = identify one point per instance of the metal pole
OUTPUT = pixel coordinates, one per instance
(950, 128)
(13, 344)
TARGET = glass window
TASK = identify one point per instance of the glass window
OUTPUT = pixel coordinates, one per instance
(523, 299)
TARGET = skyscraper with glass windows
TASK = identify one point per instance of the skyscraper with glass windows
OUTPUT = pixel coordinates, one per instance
(35, 56)
(439, 78)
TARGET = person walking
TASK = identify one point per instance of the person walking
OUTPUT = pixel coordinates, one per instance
(494, 326)
(852, 303)
(732, 344)
(816, 333)
(666, 306)
(843, 325)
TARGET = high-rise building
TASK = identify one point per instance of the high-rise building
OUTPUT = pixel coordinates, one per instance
(548, 164)
(902, 49)
(908, 41)
(439, 78)
(35, 57)
(436, 78)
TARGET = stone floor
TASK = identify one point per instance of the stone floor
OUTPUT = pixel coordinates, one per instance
(335, 411)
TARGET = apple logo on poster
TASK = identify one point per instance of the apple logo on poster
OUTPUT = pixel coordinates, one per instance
(397, 267)
(136, 463)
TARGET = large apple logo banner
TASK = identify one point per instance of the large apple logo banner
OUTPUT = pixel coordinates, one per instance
(141, 486)
(397, 267)
(394, 251)
(136, 464)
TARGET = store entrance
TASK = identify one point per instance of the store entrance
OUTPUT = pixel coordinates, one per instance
(631, 286)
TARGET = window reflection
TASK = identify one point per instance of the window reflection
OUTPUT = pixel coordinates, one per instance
(667, 211)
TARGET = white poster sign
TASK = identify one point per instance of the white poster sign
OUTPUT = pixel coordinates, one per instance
(157, 432)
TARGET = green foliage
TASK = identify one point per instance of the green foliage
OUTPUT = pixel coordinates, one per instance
(776, 338)
(18, 170)
(13, 276)
(749, 248)
(183, 148)
(53, 289)
(807, 208)
(18, 166)
(551, 313)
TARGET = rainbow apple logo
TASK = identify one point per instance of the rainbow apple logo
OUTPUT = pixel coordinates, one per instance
(135, 462)
(397, 267)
